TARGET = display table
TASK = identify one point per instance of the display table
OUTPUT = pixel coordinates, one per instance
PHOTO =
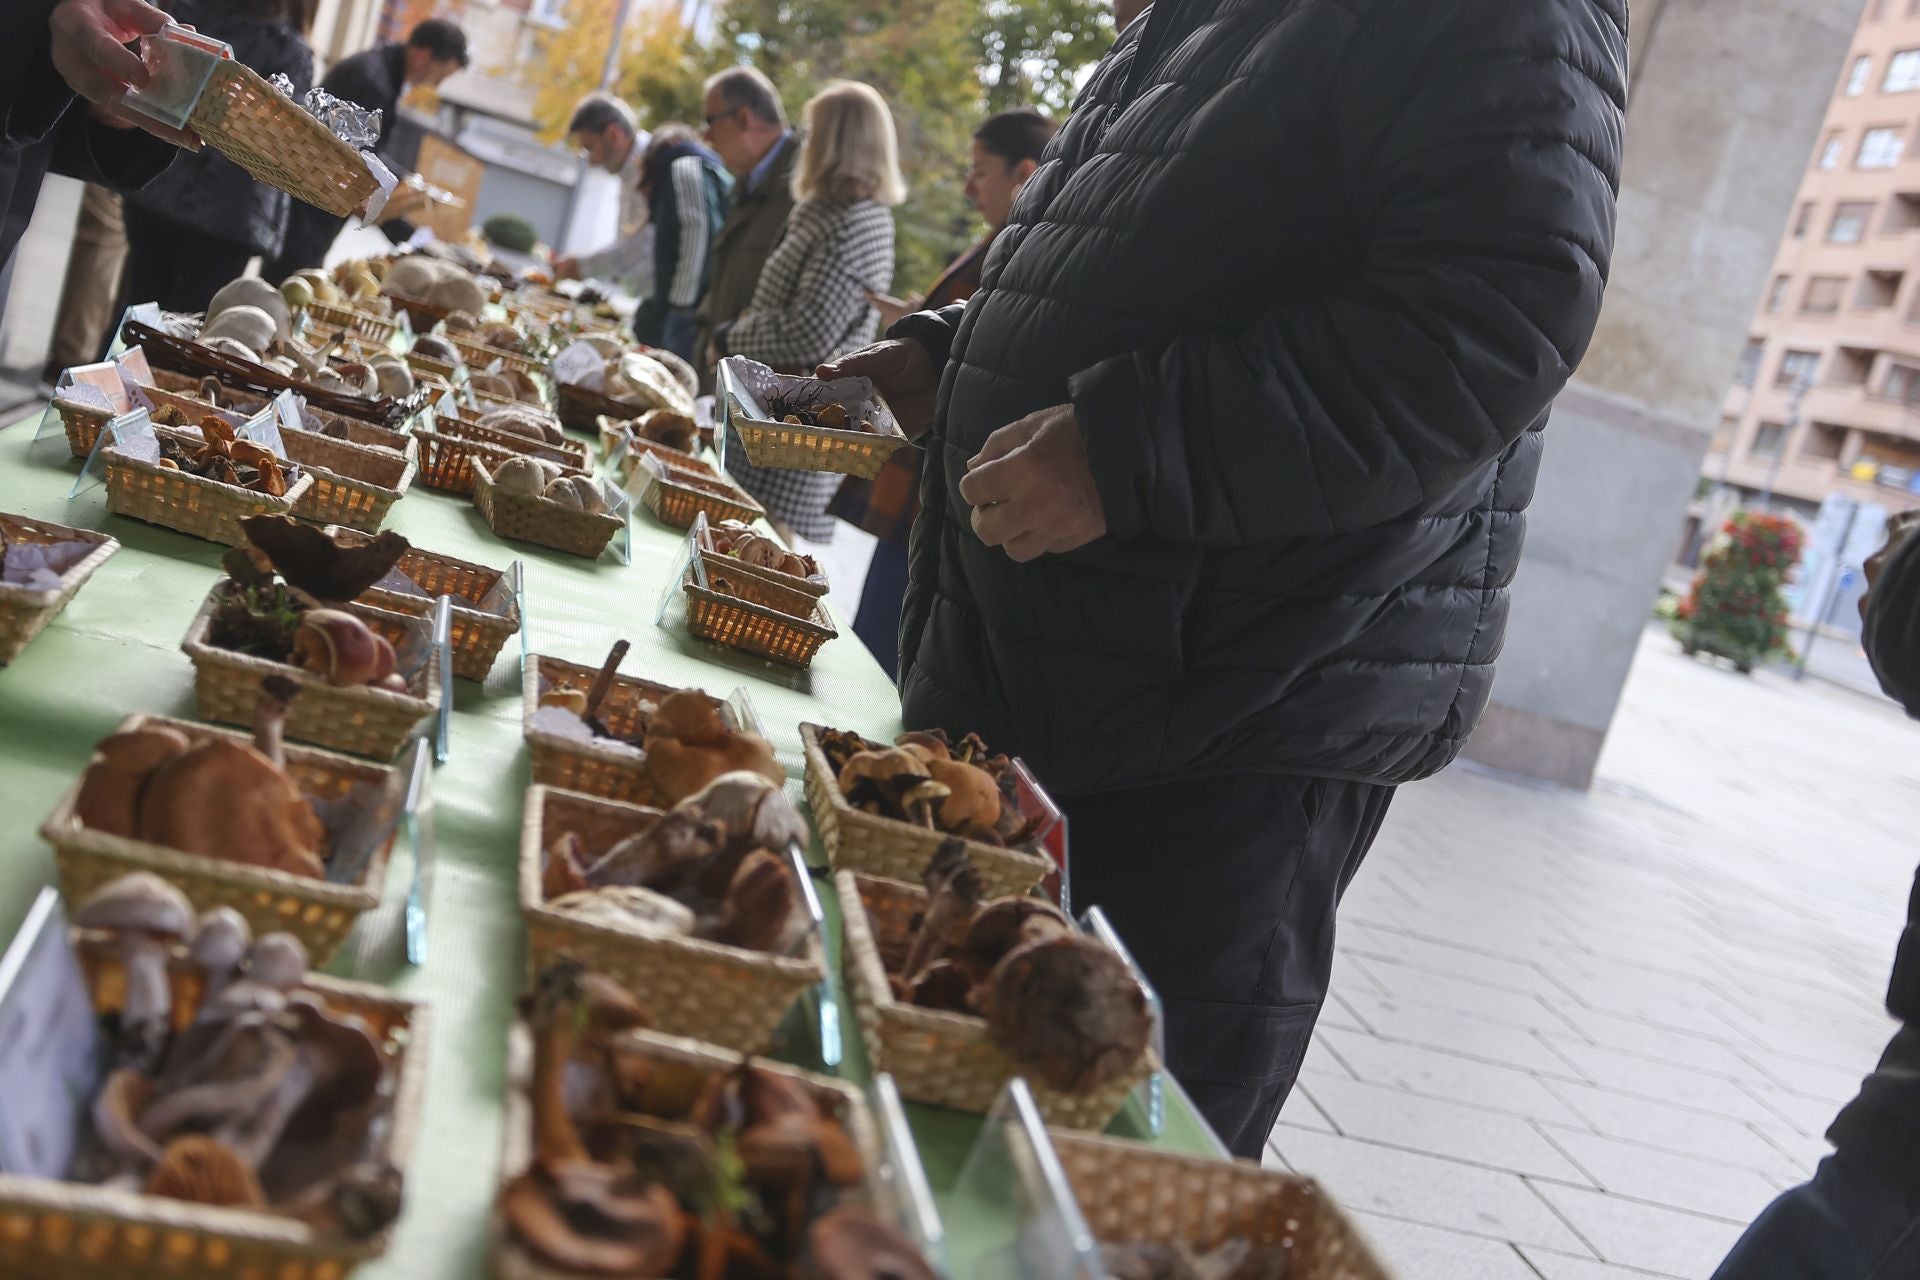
(116, 650)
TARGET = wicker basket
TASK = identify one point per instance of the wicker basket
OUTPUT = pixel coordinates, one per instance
(937, 1057)
(480, 356)
(614, 430)
(83, 423)
(181, 355)
(424, 314)
(579, 407)
(375, 328)
(478, 634)
(677, 494)
(783, 591)
(590, 767)
(575, 454)
(1135, 1194)
(447, 458)
(427, 366)
(727, 995)
(319, 912)
(24, 613)
(799, 447)
(353, 484)
(877, 846)
(527, 517)
(511, 1262)
(188, 503)
(183, 392)
(273, 138)
(767, 631)
(363, 720)
(78, 1232)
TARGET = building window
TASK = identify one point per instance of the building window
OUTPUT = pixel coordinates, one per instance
(1802, 220)
(1824, 442)
(1777, 295)
(1768, 440)
(1858, 77)
(1903, 73)
(1903, 384)
(1879, 149)
(1832, 150)
(1879, 290)
(1745, 372)
(1850, 218)
(1796, 367)
(1823, 295)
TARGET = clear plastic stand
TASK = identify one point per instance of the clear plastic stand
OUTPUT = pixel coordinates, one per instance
(419, 822)
(180, 63)
(904, 1177)
(619, 505)
(1026, 1223)
(120, 432)
(675, 587)
(1149, 1098)
(50, 1058)
(1031, 799)
(443, 649)
(826, 1008)
(517, 574)
(147, 313)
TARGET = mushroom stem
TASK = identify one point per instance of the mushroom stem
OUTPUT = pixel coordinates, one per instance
(270, 718)
(604, 681)
(954, 891)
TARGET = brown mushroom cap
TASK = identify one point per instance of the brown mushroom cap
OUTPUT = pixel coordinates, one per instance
(226, 800)
(204, 1171)
(1069, 1011)
(645, 1241)
(758, 904)
(689, 715)
(974, 796)
(852, 1243)
(116, 1111)
(1006, 923)
(882, 765)
(929, 744)
(279, 960)
(110, 790)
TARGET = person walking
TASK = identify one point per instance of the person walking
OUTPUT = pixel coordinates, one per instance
(747, 128)
(686, 190)
(811, 302)
(91, 289)
(1858, 1217)
(197, 226)
(609, 138)
(1229, 457)
(375, 80)
(1006, 151)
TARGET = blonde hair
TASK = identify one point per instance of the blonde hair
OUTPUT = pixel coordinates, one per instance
(851, 151)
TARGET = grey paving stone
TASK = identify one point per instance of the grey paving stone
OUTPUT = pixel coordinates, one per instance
(1420, 1252)
(1411, 1022)
(1448, 1076)
(1659, 1177)
(1664, 1082)
(1677, 1129)
(1452, 1130)
(1559, 1266)
(1666, 1241)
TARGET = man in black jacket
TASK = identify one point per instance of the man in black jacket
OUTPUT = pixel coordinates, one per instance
(1230, 454)
(376, 79)
(1859, 1217)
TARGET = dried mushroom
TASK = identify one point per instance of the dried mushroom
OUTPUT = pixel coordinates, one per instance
(147, 916)
(975, 798)
(688, 744)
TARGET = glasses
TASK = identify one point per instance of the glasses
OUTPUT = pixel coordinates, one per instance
(720, 115)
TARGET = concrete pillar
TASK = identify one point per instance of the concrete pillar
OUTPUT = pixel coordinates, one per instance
(1727, 97)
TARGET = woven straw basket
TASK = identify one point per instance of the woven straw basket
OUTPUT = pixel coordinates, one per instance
(679, 494)
(937, 1057)
(50, 1228)
(1134, 1194)
(182, 355)
(183, 392)
(448, 453)
(580, 408)
(353, 484)
(424, 314)
(363, 720)
(589, 767)
(727, 995)
(377, 329)
(771, 587)
(83, 424)
(321, 914)
(273, 138)
(478, 635)
(791, 634)
(801, 448)
(614, 430)
(481, 356)
(575, 454)
(527, 517)
(877, 846)
(512, 1262)
(188, 503)
(24, 613)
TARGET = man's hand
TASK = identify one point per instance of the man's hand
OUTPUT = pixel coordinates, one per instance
(566, 268)
(89, 39)
(120, 118)
(905, 375)
(1031, 489)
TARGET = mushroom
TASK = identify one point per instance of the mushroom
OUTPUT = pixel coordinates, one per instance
(339, 647)
(333, 1058)
(973, 795)
(852, 1243)
(953, 896)
(205, 1171)
(567, 698)
(563, 870)
(524, 474)
(644, 1239)
(1005, 924)
(116, 777)
(666, 853)
(880, 775)
(147, 915)
(758, 908)
(312, 562)
(688, 744)
(627, 906)
(1069, 1011)
(920, 798)
(752, 807)
(943, 985)
(219, 944)
(116, 1112)
(219, 1074)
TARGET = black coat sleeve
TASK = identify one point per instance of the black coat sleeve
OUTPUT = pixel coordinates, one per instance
(120, 159)
(1483, 163)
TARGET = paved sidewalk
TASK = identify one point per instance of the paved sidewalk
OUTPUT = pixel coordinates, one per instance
(1589, 1037)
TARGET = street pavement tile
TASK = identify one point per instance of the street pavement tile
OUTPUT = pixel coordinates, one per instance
(1558, 1266)
(1807, 1079)
(1320, 1060)
(1402, 1184)
(1463, 995)
(1665, 1082)
(1448, 1129)
(1338, 1011)
(1677, 1129)
(1300, 1110)
(1676, 1181)
(1672, 1001)
(1806, 1116)
(1668, 1241)
(1419, 1252)
(1663, 1044)
(1446, 1075)
(1375, 943)
(1412, 1022)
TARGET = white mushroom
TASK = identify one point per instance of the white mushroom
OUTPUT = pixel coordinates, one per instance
(148, 915)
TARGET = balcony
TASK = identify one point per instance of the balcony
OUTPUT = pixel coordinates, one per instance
(1855, 406)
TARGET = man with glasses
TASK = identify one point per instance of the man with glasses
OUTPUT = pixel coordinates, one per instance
(747, 128)
(608, 137)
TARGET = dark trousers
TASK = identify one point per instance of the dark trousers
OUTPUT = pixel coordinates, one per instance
(1224, 889)
(878, 621)
(310, 233)
(176, 266)
(1842, 1225)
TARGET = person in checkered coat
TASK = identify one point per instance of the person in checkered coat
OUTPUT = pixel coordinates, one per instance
(811, 302)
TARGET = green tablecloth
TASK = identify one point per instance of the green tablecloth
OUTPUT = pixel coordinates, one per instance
(115, 651)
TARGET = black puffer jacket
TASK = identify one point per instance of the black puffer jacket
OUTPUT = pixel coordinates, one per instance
(205, 191)
(1311, 272)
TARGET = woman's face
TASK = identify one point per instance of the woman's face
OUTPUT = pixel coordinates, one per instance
(992, 184)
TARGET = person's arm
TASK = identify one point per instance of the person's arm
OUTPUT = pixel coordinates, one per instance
(796, 334)
(1485, 181)
(680, 256)
(624, 259)
(115, 158)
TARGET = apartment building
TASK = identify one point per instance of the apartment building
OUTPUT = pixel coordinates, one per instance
(1826, 398)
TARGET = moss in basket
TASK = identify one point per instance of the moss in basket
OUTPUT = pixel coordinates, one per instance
(510, 231)
(256, 615)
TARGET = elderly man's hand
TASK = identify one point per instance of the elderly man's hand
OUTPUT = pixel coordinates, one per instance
(1031, 489)
(905, 374)
(89, 39)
